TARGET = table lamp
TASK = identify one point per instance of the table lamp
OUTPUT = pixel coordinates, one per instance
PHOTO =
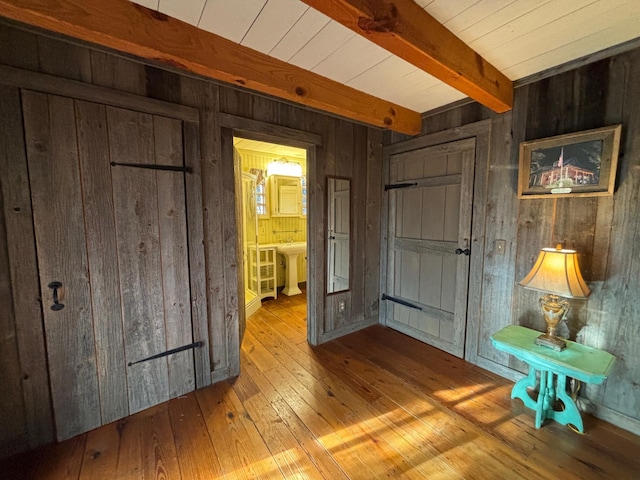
(556, 272)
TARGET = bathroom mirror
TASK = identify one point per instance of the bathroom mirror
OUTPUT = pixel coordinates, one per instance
(286, 196)
(338, 234)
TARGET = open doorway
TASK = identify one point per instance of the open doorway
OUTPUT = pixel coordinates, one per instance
(274, 214)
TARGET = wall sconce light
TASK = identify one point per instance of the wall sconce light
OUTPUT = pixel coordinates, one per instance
(285, 168)
(556, 271)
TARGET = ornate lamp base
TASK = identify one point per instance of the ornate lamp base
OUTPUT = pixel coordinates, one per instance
(555, 343)
(554, 311)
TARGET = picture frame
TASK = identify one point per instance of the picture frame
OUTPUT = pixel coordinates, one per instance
(580, 164)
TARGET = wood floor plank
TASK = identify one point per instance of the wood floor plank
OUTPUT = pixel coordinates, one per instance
(548, 462)
(263, 359)
(101, 453)
(304, 354)
(159, 454)
(374, 404)
(295, 330)
(197, 457)
(301, 431)
(365, 388)
(446, 411)
(386, 435)
(129, 464)
(281, 442)
(324, 428)
(139, 446)
(343, 433)
(239, 447)
(62, 461)
(458, 440)
(361, 431)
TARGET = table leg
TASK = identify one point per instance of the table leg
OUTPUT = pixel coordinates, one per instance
(543, 399)
(520, 389)
(550, 392)
(570, 415)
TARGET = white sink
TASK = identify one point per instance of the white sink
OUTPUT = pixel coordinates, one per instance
(291, 248)
(291, 252)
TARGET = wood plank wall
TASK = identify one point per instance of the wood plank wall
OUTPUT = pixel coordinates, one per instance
(347, 149)
(604, 230)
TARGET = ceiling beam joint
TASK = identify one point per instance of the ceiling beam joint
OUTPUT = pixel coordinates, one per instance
(405, 29)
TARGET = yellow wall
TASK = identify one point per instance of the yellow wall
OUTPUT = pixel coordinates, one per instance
(278, 229)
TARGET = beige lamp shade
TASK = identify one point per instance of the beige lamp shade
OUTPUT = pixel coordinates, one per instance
(556, 271)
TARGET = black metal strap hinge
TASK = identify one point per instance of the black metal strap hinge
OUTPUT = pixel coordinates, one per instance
(169, 352)
(150, 166)
(400, 301)
(394, 186)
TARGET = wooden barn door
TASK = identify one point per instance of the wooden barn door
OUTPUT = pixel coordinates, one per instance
(114, 238)
(431, 193)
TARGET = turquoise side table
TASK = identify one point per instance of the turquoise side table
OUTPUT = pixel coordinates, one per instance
(578, 361)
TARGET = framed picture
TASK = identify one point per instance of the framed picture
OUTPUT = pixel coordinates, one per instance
(580, 164)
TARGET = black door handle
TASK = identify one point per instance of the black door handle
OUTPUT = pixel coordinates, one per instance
(57, 306)
(466, 251)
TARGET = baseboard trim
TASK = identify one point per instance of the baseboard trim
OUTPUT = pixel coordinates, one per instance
(332, 335)
(252, 307)
(616, 418)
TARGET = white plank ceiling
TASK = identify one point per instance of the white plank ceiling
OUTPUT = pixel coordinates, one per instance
(519, 37)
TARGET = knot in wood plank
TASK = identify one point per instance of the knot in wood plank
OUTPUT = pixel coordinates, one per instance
(154, 14)
(385, 23)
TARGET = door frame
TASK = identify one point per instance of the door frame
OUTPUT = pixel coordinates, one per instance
(481, 131)
(235, 126)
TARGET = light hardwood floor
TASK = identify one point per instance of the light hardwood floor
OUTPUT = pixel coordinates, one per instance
(375, 404)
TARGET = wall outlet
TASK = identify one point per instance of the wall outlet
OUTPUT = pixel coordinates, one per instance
(341, 306)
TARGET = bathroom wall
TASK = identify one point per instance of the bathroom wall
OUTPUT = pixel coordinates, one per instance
(278, 229)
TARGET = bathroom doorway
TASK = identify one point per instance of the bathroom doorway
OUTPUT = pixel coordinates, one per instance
(274, 211)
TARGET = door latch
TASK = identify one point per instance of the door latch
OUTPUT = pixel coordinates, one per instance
(57, 306)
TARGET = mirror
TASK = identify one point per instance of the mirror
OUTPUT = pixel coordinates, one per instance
(338, 236)
(286, 196)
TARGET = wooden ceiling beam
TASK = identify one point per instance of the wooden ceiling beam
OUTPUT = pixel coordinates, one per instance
(130, 28)
(403, 28)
